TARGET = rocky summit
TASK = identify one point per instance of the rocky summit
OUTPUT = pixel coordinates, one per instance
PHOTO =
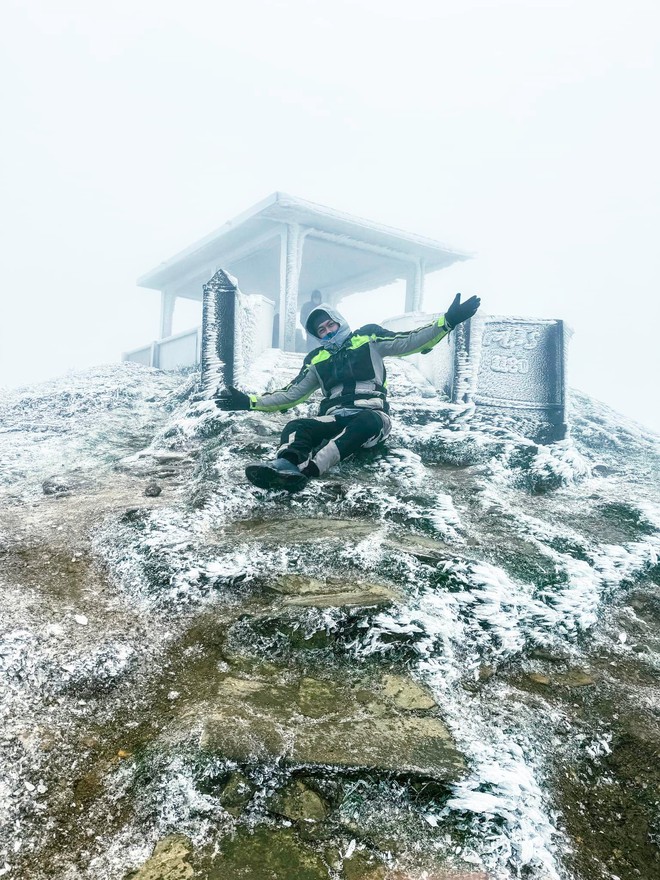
(439, 661)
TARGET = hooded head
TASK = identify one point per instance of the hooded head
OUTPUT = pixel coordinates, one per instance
(323, 313)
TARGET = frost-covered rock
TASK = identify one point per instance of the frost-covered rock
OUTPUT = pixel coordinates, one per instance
(402, 642)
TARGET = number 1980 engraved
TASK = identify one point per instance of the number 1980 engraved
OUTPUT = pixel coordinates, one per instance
(503, 364)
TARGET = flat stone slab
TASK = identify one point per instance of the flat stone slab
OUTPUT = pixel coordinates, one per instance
(304, 592)
(320, 722)
(169, 861)
(393, 744)
(296, 531)
(425, 549)
(407, 694)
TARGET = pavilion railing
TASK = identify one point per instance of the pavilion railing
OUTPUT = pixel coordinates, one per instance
(180, 350)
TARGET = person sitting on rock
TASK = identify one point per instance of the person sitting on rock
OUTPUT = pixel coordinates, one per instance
(348, 368)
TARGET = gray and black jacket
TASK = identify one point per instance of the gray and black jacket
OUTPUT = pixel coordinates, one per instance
(349, 368)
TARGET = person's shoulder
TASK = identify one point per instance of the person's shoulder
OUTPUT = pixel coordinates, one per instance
(309, 357)
(374, 330)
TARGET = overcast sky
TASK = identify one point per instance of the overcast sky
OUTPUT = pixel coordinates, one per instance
(527, 132)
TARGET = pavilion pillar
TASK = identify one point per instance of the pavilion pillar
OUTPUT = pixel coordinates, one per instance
(415, 287)
(167, 303)
(290, 263)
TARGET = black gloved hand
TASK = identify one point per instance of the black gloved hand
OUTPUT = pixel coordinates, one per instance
(459, 312)
(232, 399)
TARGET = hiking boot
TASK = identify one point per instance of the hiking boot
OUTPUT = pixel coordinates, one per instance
(278, 474)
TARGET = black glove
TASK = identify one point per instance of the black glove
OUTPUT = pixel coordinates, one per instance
(459, 312)
(232, 399)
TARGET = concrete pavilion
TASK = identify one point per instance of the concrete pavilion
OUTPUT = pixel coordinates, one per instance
(285, 247)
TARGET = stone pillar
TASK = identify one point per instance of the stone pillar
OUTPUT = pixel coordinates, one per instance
(290, 263)
(167, 303)
(218, 333)
(415, 288)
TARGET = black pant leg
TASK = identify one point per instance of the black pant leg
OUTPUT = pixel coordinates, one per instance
(357, 431)
(301, 437)
(353, 432)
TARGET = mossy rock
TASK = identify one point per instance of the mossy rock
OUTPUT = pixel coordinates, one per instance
(317, 698)
(299, 803)
(364, 866)
(170, 861)
(628, 519)
(267, 854)
(236, 794)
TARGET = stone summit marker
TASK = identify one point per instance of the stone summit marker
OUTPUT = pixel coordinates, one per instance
(516, 367)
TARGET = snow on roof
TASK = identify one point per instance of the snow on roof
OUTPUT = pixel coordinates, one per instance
(347, 239)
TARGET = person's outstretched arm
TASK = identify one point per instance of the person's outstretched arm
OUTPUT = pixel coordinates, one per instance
(294, 393)
(422, 339)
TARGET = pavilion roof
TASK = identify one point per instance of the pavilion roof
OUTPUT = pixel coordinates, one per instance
(341, 252)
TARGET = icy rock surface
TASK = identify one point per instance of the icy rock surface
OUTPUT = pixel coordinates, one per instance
(470, 606)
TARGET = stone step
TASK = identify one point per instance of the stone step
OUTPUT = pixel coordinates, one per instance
(325, 723)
